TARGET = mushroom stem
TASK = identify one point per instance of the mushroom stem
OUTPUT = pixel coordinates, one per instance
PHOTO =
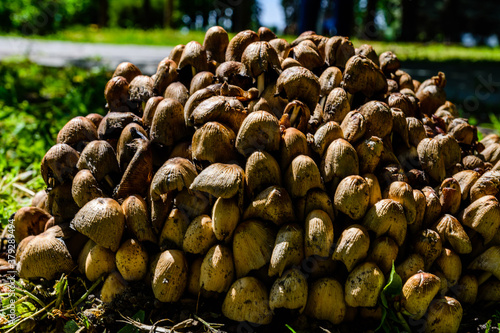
(108, 180)
(261, 83)
(322, 102)
(483, 277)
(402, 321)
(52, 183)
(295, 114)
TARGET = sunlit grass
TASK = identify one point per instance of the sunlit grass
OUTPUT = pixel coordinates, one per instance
(35, 102)
(435, 51)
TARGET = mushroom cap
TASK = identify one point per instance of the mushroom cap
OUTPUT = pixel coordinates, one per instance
(363, 285)
(289, 291)
(102, 220)
(59, 164)
(127, 70)
(299, 83)
(260, 57)
(77, 132)
(259, 131)
(44, 256)
(99, 157)
(220, 180)
(272, 204)
(175, 174)
(29, 221)
(326, 300)
(253, 243)
(169, 275)
(248, 300)
(215, 43)
(217, 269)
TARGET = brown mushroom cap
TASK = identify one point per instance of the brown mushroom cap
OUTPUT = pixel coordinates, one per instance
(169, 275)
(362, 75)
(176, 53)
(99, 157)
(113, 123)
(259, 131)
(177, 91)
(368, 51)
(338, 50)
(265, 34)
(85, 188)
(200, 81)
(239, 43)
(140, 90)
(248, 300)
(299, 83)
(29, 221)
(59, 164)
(175, 174)
(116, 93)
(220, 180)
(166, 73)
(215, 43)
(260, 57)
(233, 72)
(128, 70)
(194, 55)
(77, 133)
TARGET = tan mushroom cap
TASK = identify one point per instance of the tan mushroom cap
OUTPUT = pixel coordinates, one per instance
(220, 180)
(175, 174)
(103, 221)
(44, 256)
(248, 300)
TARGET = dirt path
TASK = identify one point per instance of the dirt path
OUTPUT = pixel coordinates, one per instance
(59, 53)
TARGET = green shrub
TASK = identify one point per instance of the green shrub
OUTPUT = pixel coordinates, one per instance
(35, 17)
(35, 102)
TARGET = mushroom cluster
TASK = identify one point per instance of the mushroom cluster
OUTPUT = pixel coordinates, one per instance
(274, 175)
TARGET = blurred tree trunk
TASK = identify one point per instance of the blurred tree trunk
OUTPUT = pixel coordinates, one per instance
(242, 15)
(345, 23)
(409, 21)
(369, 30)
(103, 13)
(309, 11)
(167, 13)
(450, 20)
(147, 22)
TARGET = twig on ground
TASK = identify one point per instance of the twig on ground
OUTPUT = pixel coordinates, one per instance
(208, 325)
(144, 327)
(24, 189)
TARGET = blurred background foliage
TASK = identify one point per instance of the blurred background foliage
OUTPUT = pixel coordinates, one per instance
(36, 101)
(463, 21)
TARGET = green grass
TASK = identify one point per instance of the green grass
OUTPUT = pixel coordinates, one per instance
(435, 51)
(35, 102)
(405, 51)
(158, 37)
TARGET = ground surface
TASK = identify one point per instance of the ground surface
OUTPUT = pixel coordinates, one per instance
(63, 53)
